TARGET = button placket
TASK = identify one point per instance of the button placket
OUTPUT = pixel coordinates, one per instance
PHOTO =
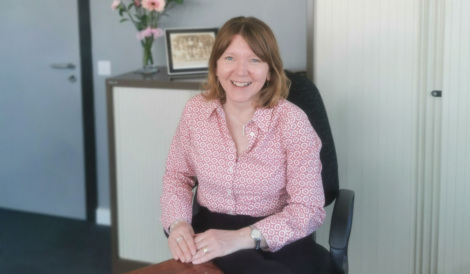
(251, 136)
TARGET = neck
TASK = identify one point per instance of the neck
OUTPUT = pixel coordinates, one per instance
(242, 112)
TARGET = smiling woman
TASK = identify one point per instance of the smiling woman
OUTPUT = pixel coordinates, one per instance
(260, 190)
(241, 73)
(253, 40)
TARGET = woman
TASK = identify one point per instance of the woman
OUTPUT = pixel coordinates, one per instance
(256, 158)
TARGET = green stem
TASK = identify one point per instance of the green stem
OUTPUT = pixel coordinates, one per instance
(130, 16)
(148, 59)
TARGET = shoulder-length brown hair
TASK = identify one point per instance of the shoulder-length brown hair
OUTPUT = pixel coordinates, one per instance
(262, 42)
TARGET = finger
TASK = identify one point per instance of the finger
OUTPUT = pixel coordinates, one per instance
(185, 250)
(198, 255)
(173, 253)
(191, 245)
(174, 249)
(199, 238)
(180, 254)
(201, 243)
(206, 257)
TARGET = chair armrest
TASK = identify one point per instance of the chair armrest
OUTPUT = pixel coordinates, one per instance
(340, 230)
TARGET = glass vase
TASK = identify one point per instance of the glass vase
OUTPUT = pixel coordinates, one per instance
(147, 61)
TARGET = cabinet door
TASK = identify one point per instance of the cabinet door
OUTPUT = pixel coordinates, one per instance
(145, 121)
(366, 66)
(454, 217)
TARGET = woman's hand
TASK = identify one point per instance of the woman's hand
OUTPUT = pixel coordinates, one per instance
(181, 242)
(217, 243)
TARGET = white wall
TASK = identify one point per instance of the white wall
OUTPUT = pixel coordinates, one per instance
(116, 42)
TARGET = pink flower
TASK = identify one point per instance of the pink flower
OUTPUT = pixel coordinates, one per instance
(148, 32)
(158, 5)
(158, 32)
(137, 3)
(115, 4)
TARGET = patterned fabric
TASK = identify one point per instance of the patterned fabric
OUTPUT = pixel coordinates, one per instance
(304, 94)
(278, 175)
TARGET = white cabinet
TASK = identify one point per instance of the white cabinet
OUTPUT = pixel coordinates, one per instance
(143, 116)
(404, 152)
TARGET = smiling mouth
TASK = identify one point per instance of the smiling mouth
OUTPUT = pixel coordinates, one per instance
(240, 84)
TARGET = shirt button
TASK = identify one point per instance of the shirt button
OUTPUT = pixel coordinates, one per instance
(252, 134)
(230, 170)
(229, 191)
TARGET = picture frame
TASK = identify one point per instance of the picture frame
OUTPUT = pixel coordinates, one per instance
(188, 50)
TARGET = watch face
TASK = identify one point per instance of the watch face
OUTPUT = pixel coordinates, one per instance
(255, 234)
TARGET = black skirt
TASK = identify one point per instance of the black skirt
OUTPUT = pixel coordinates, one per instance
(299, 257)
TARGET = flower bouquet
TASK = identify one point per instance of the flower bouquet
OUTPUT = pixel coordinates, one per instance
(144, 14)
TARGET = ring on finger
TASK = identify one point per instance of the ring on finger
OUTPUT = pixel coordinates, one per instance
(179, 239)
(205, 250)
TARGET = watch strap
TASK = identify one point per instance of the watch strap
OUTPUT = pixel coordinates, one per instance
(257, 244)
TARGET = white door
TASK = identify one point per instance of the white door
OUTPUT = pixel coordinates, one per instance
(41, 135)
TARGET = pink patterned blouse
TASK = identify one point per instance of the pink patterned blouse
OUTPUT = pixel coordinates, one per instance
(278, 175)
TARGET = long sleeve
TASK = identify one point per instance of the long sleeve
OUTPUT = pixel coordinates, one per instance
(178, 180)
(304, 211)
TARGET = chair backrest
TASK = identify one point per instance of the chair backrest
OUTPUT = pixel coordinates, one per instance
(305, 95)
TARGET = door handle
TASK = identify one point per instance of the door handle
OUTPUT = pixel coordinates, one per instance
(63, 66)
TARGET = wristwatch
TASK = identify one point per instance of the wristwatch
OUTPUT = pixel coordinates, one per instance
(256, 235)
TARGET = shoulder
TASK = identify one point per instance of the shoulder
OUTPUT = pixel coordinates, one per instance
(198, 106)
(196, 101)
(287, 112)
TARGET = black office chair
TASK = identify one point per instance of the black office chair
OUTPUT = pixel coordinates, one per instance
(305, 95)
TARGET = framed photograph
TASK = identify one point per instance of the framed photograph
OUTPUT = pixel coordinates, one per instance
(188, 50)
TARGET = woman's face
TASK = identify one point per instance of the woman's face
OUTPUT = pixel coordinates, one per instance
(241, 73)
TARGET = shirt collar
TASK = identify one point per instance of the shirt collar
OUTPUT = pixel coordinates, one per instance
(212, 107)
(262, 118)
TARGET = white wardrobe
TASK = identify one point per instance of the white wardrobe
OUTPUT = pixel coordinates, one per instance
(404, 152)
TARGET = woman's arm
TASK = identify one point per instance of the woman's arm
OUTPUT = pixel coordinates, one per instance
(177, 194)
(304, 211)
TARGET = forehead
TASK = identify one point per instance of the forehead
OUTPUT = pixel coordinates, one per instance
(239, 45)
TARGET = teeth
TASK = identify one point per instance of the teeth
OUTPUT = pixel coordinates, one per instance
(238, 84)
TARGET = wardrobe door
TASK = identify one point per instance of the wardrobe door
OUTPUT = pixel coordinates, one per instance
(144, 121)
(454, 217)
(369, 65)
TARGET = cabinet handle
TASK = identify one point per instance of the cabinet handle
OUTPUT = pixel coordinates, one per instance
(436, 93)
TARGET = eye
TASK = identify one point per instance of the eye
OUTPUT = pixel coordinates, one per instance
(255, 60)
(230, 58)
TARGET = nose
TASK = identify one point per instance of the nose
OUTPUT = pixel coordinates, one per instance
(241, 68)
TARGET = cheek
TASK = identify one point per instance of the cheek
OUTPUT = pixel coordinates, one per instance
(222, 71)
(262, 75)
